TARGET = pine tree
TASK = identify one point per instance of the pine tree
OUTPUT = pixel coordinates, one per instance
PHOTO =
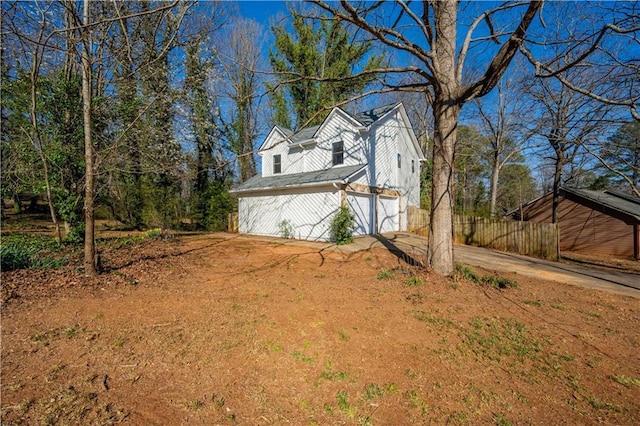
(323, 51)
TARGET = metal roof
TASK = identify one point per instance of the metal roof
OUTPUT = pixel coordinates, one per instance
(611, 199)
(328, 176)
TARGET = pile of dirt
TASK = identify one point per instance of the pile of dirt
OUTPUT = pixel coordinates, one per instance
(212, 329)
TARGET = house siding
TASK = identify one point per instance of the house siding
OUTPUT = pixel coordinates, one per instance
(337, 129)
(392, 189)
(309, 211)
(583, 229)
(383, 150)
(267, 158)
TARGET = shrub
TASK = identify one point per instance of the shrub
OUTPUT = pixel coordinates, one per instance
(342, 226)
(286, 228)
(76, 234)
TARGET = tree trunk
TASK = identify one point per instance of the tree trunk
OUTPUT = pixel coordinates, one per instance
(557, 179)
(440, 251)
(446, 109)
(90, 269)
(37, 141)
(495, 177)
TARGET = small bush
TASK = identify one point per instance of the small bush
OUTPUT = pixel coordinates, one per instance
(342, 226)
(286, 228)
(76, 234)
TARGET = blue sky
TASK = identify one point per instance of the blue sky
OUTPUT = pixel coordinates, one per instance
(261, 11)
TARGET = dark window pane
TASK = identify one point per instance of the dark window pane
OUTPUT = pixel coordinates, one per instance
(338, 153)
(277, 164)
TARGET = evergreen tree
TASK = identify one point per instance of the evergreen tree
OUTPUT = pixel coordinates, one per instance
(312, 53)
(621, 157)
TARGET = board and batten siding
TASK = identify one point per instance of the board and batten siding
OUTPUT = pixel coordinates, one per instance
(309, 212)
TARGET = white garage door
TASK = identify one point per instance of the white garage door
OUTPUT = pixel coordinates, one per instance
(360, 205)
(388, 217)
(308, 213)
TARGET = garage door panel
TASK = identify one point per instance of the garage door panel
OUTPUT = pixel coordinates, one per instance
(360, 205)
(388, 214)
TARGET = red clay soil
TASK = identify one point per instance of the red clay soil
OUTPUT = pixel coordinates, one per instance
(210, 329)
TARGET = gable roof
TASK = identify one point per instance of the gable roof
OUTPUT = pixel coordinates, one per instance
(366, 118)
(613, 200)
(315, 178)
(369, 117)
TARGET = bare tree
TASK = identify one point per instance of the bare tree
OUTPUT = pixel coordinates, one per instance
(604, 37)
(427, 32)
(567, 120)
(240, 57)
(501, 118)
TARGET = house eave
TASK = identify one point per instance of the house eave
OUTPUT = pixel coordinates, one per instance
(302, 185)
(302, 143)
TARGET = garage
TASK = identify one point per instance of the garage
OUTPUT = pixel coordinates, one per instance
(360, 205)
(388, 214)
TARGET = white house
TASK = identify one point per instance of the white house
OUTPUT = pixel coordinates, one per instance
(369, 162)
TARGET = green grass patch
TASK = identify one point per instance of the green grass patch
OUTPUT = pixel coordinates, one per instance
(602, 405)
(497, 281)
(414, 281)
(384, 274)
(373, 391)
(626, 381)
(302, 357)
(495, 338)
(465, 272)
(343, 404)
(22, 251)
(535, 303)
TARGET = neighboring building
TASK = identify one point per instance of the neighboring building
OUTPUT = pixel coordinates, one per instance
(369, 162)
(590, 222)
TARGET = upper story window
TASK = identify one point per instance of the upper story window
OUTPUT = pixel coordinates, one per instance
(338, 153)
(399, 161)
(277, 164)
(413, 166)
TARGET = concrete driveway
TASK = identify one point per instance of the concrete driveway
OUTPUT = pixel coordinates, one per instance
(413, 249)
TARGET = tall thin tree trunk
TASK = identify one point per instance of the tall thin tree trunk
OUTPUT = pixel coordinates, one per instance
(90, 268)
(557, 179)
(495, 177)
(37, 141)
(446, 109)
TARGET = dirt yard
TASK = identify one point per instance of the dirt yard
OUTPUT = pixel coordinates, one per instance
(215, 329)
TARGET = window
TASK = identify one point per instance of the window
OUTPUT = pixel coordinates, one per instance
(399, 161)
(413, 166)
(338, 153)
(277, 164)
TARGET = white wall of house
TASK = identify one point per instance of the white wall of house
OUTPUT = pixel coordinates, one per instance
(338, 128)
(309, 212)
(278, 146)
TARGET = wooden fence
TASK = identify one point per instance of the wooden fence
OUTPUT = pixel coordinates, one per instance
(527, 238)
(232, 222)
